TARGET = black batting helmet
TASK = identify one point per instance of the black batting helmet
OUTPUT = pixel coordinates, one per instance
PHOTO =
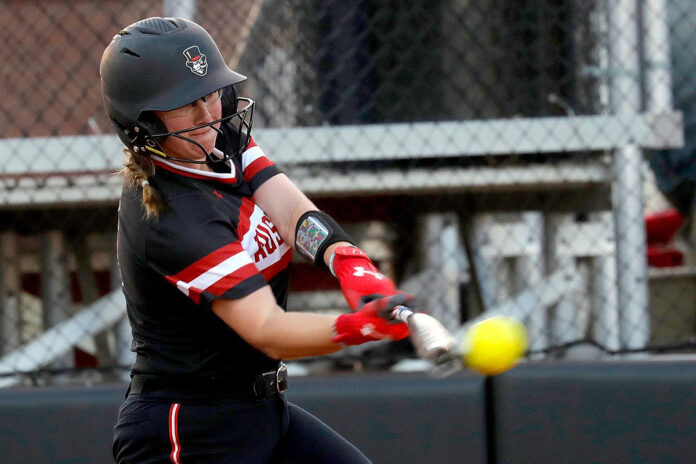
(160, 64)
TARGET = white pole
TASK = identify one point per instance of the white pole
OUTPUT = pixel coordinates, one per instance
(441, 246)
(625, 98)
(657, 57)
(55, 286)
(529, 272)
(565, 326)
(485, 264)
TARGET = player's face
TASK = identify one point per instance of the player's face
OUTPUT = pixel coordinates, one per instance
(201, 111)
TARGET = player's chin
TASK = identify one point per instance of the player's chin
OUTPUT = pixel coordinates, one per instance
(207, 139)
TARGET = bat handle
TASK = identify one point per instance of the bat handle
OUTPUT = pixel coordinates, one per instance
(402, 313)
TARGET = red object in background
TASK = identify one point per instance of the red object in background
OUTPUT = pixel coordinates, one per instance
(84, 359)
(660, 230)
(31, 283)
(665, 257)
(661, 227)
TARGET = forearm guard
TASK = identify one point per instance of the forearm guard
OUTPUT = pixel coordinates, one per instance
(315, 232)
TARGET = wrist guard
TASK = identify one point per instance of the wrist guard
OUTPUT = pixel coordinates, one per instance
(315, 232)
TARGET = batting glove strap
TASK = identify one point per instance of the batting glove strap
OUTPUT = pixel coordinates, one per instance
(358, 275)
(369, 324)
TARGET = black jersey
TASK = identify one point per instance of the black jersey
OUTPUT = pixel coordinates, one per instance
(210, 241)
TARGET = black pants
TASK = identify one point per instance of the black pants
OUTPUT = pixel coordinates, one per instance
(221, 431)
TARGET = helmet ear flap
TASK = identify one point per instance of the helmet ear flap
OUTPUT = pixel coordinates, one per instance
(128, 137)
(152, 124)
(229, 100)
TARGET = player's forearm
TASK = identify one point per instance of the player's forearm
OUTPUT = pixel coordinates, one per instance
(280, 335)
(259, 320)
(294, 335)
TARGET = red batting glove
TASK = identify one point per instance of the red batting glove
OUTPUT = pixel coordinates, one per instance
(358, 275)
(372, 322)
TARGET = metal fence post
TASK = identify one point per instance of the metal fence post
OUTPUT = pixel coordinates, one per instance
(625, 98)
(563, 324)
(442, 249)
(657, 57)
(55, 285)
(528, 273)
(10, 292)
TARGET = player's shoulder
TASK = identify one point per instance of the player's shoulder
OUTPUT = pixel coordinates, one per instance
(198, 208)
(189, 227)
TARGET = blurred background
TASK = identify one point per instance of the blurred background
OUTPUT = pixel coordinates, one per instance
(528, 158)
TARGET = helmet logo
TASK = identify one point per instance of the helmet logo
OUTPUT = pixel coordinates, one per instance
(196, 61)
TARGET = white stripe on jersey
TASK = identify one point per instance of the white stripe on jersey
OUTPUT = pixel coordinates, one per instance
(251, 155)
(215, 273)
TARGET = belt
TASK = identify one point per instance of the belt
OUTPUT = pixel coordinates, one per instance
(261, 386)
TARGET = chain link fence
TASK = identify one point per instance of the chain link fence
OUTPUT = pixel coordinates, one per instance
(493, 156)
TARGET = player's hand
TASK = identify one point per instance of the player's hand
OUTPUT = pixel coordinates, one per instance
(358, 276)
(369, 323)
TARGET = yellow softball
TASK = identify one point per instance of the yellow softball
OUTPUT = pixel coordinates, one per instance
(494, 345)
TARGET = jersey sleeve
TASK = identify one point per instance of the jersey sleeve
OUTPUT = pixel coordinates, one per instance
(257, 168)
(196, 248)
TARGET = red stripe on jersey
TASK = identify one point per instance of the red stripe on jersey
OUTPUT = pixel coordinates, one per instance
(207, 262)
(245, 212)
(272, 270)
(174, 433)
(252, 143)
(226, 283)
(195, 295)
(224, 180)
(255, 167)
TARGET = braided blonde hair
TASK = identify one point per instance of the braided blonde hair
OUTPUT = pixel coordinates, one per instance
(136, 172)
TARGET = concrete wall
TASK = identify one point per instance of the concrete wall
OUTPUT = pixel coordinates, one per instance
(635, 411)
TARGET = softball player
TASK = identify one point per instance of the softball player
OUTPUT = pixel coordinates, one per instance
(207, 227)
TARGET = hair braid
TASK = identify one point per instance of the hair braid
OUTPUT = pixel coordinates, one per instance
(137, 171)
